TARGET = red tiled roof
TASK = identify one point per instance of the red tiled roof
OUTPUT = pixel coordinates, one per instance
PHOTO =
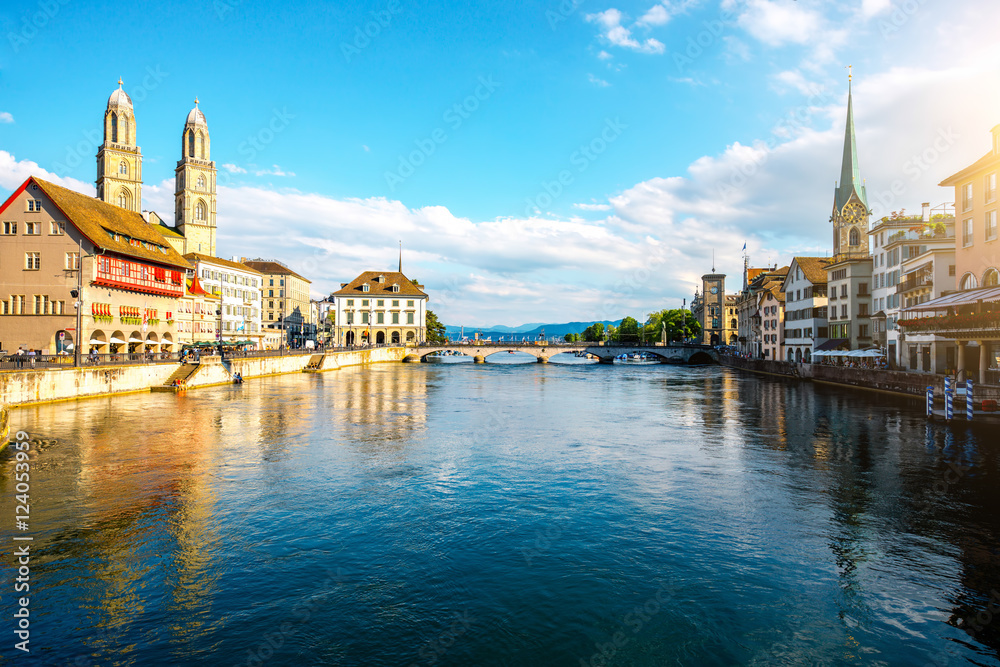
(406, 286)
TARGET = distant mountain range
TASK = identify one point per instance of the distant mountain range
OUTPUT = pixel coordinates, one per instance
(530, 331)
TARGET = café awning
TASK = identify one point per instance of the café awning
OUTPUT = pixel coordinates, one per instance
(966, 298)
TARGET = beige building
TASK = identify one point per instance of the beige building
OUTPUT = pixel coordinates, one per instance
(285, 301)
(771, 306)
(197, 315)
(380, 308)
(716, 311)
(131, 277)
(238, 288)
(805, 326)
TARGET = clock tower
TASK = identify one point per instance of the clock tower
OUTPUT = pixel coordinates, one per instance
(850, 201)
(713, 290)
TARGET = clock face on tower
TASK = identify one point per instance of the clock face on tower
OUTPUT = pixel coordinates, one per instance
(854, 213)
(715, 289)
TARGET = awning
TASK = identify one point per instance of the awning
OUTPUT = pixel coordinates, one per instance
(117, 341)
(136, 340)
(966, 298)
(94, 341)
(831, 344)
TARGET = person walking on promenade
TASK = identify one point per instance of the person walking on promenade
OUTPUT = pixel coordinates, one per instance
(31, 357)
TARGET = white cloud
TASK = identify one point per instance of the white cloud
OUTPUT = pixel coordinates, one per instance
(871, 8)
(604, 55)
(593, 207)
(613, 31)
(275, 170)
(601, 83)
(367, 149)
(234, 169)
(6, 117)
(656, 15)
(795, 79)
(780, 22)
(13, 173)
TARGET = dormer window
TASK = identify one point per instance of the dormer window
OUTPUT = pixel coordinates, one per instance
(365, 287)
(395, 288)
(380, 279)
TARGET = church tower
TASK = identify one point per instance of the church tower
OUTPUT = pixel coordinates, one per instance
(119, 160)
(850, 201)
(195, 187)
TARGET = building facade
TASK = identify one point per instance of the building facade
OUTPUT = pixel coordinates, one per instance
(805, 326)
(771, 306)
(715, 311)
(379, 308)
(286, 302)
(56, 241)
(238, 288)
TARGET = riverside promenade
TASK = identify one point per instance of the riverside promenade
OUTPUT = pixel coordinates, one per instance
(35, 386)
(897, 382)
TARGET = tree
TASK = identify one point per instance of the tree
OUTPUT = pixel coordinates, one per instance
(679, 324)
(594, 332)
(435, 330)
(628, 330)
(572, 338)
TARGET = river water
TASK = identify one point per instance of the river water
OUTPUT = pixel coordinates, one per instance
(503, 514)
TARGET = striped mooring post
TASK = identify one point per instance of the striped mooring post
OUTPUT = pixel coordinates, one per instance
(930, 402)
(947, 385)
(949, 405)
(968, 400)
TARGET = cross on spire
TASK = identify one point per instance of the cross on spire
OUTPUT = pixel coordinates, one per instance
(119, 82)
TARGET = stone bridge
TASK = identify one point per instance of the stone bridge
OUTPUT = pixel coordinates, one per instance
(668, 354)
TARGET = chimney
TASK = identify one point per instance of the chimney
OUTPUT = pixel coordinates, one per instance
(926, 206)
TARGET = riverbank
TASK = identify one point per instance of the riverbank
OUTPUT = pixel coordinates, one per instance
(22, 388)
(896, 382)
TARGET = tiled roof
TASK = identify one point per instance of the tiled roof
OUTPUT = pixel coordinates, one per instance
(218, 261)
(813, 268)
(100, 222)
(406, 287)
(273, 268)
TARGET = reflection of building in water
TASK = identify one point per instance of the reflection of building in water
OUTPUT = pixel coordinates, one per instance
(390, 399)
(152, 497)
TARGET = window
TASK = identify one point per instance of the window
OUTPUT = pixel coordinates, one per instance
(364, 303)
(57, 228)
(409, 317)
(72, 261)
(32, 261)
(123, 199)
(843, 311)
(17, 304)
(991, 279)
(32, 228)
(380, 318)
(969, 281)
(123, 168)
(991, 225)
(364, 318)
(395, 304)
(380, 303)
(395, 318)
(201, 182)
(200, 211)
(967, 197)
(862, 310)
(991, 188)
(350, 302)
(114, 128)
(190, 142)
(409, 304)
(855, 237)
(10, 228)
(967, 232)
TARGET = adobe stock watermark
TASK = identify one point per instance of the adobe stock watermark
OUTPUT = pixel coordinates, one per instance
(33, 21)
(542, 543)
(710, 33)
(562, 13)
(581, 159)
(900, 15)
(368, 31)
(631, 625)
(432, 652)
(255, 143)
(637, 279)
(453, 117)
(916, 166)
(796, 119)
(83, 150)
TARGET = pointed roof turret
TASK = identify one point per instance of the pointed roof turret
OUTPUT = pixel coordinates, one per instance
(850, 170)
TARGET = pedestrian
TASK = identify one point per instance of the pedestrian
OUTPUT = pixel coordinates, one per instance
(31, 357)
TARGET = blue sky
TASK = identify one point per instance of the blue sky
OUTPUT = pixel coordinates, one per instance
(540, 161)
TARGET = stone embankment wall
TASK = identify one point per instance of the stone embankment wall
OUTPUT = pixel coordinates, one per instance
(900, 382)
(43, 386)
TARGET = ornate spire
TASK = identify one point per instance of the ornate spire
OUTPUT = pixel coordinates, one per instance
(850, 170)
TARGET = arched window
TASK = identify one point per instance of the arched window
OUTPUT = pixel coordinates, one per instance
(201, 182)
(123, 168)
(114, 128)
(855, 237)
(969, 281)
(199, 211)
(806, 357)
(124, 200)
(798, 355)
(733, 324)
(201, 145)
(124, 130)
(991, 278)
(190, 144)
(791, 355)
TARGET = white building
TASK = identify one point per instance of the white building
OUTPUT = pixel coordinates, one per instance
(239, 287)
(379, 308)
(805, 308)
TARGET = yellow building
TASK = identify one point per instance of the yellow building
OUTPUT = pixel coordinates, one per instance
(285, 301)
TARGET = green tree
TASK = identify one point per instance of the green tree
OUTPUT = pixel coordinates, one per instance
(435, 330)
(628, 330)
(594, 332)
(572, 338)
(679, 324)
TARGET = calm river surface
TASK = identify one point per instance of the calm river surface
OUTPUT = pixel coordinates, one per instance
(500, 514)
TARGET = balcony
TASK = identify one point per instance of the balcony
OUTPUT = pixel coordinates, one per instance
(914, 283)
(984, 326)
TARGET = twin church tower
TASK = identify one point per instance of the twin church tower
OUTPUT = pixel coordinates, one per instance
(119, 172)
